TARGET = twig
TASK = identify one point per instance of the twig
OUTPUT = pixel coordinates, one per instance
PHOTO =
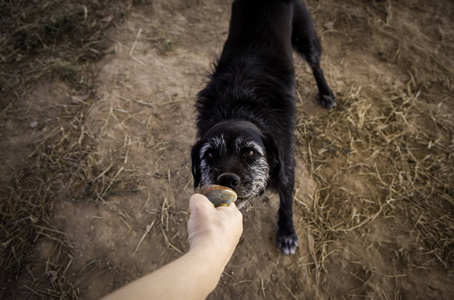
(144, 235)
(135, 42)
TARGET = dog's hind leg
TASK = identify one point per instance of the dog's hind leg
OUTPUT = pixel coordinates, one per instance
(306, 42)
(286, 237)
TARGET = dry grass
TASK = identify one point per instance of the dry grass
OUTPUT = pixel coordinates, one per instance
(61, 166)
(405, 170)
(59, 39)
(393, 150)
(52, 38)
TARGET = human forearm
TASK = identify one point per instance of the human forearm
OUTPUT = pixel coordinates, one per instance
(193, 275)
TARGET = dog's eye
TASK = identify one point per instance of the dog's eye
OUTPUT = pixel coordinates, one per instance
(250, 153)
(210, 154)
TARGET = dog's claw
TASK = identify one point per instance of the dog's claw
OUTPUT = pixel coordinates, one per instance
(328, 100)
(288, 243)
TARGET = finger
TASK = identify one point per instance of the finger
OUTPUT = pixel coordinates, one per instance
(231, 206)
(232, 210)
(199, 203)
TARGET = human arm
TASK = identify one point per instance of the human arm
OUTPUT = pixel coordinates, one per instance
(213, 235)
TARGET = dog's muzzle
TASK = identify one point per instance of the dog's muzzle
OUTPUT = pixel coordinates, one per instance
(229, 180)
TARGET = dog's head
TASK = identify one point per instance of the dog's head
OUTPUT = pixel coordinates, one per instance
(235, 154)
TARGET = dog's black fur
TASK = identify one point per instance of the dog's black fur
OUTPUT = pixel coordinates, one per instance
(246, 113)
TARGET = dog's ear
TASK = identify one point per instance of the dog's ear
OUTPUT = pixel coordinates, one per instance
(276, 160)
(195, 156)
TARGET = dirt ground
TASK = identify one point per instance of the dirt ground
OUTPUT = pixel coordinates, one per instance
(96, 182)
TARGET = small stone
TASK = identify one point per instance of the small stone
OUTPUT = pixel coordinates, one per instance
(79, 99)
(329, 25)
(219, 195)
(33, 124)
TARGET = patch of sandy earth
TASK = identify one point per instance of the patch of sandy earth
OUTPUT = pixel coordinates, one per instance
(377, 263)
(29, 122)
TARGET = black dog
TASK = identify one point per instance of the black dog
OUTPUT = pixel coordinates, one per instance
(246, 112)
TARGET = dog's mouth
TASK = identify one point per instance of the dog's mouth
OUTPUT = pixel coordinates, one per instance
(247, 193)
(244, 204)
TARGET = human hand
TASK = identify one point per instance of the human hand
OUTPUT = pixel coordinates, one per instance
(216, 229)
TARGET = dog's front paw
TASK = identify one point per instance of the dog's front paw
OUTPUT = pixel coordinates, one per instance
(288, 242)
(328, 100)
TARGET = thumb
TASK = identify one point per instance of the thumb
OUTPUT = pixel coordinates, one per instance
(199, 203)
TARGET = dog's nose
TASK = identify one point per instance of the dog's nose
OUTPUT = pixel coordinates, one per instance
(229, 180)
